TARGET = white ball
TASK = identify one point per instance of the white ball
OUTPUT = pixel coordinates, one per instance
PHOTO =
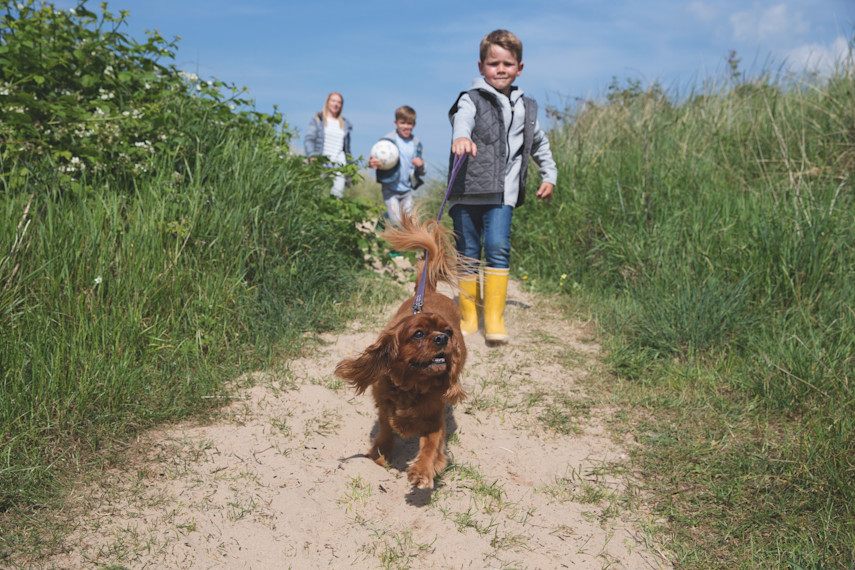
(387, 152)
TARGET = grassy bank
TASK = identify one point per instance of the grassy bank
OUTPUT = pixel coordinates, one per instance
(127, 306)
(158, 240)
(715, 232)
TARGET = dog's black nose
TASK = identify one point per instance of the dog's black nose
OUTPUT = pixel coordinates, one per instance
(440, 339)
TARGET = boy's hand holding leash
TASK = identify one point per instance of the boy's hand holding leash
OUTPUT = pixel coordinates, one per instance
(463, 146)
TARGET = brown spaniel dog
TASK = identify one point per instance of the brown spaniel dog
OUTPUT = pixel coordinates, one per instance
(414, 366)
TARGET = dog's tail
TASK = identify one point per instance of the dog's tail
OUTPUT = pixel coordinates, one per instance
(433, 238)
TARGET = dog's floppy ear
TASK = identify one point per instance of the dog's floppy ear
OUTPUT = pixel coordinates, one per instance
(455, 391)
(362, 371)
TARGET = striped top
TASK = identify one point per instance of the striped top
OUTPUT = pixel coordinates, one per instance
(334, 141)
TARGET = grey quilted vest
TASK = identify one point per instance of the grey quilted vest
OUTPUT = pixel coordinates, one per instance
(481, 179)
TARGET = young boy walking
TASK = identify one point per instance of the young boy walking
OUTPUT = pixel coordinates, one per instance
(497, 126)
(399, 182)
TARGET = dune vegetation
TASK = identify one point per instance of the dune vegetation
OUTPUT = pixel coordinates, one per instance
(158, 239)
(714, 232)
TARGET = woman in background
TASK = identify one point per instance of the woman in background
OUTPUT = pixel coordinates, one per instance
(328, 135)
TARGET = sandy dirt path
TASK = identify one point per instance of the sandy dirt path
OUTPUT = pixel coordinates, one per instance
(277, 480)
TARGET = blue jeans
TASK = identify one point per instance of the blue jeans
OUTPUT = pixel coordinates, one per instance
(487, 225)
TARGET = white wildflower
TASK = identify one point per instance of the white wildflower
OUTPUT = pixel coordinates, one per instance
(98, 280)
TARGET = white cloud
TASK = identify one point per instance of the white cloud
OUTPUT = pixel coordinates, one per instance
(702, 11)
(742, 24)
(819, 58)
(774, 22)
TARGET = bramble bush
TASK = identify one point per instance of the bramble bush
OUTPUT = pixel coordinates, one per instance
(78, 93)
(158, 239)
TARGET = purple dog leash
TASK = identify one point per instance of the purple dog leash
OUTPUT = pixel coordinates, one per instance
(419, 300)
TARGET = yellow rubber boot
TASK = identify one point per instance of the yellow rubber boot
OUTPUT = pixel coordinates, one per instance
(495, 294)
(468, 301)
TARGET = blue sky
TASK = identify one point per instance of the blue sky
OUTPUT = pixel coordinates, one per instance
(381, 55)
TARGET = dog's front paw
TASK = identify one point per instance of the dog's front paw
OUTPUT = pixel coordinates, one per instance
(420, 476)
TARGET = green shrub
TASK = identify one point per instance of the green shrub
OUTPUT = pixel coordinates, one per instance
(142, 279)
(78, 93)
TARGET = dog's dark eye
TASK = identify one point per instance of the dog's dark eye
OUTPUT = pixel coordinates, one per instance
(419, 334)
(448, 332)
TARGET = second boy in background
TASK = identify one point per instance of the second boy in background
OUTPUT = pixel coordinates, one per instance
(399, 182)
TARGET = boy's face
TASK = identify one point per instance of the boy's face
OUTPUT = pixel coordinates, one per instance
(500, 68)
(405, 128)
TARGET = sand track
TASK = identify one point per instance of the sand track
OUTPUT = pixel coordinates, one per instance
(277, 480)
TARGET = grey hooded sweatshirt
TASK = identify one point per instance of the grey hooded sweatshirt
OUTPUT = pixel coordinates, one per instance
(506, 132)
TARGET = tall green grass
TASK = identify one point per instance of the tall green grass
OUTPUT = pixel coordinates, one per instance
(717, 231)
(157, 239)
(127, 302)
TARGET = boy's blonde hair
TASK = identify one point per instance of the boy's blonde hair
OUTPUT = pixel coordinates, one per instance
(326, 111)
(406, 114)
(503, 39)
